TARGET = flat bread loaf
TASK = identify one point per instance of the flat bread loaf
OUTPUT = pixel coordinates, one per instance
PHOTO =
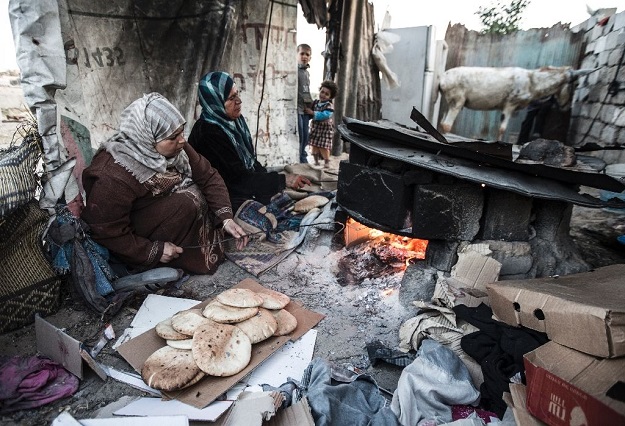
(185, 345)
(309, 203)
(170, 369)
(260, 327)
(221, 349)
(186, 322)
(240, 298)
(167, 332)
(286, 322)
(219, 312)
(273, 299)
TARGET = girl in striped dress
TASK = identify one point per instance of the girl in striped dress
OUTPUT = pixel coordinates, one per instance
(322, 126)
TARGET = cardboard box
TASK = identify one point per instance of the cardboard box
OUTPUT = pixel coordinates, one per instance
(207, 390)
(64, 349)
(582, 311)
(467, 282)
(568, 387)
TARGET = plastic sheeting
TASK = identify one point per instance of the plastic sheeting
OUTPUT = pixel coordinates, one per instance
(83, 62)
(40, 56)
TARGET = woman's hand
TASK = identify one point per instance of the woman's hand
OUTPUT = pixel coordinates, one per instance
(231, 227)
(296, 181)
(170, 252)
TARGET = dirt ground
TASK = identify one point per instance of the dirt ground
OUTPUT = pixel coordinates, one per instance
(356, 313)
(12, 106)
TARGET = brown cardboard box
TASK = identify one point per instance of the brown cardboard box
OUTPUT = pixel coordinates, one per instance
(137, 350)
(467, 283)
(582, 311)
(64, 349)
(568, 387)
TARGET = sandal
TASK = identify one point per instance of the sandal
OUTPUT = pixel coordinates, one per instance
(148, 281)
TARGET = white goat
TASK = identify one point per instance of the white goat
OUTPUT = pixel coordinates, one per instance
(506, 89)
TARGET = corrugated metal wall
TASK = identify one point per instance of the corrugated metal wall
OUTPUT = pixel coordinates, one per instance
(534, 48)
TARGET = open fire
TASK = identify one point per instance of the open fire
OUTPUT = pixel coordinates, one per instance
(373, 253)
(390, 248)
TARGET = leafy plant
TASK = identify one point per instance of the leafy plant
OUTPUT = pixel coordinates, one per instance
(502, 18)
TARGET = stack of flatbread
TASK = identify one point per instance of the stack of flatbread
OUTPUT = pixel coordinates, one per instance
(216, 340)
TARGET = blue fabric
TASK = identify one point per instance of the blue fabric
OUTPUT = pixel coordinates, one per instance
(322, 114)
(303, 130)
(339, 397)
(280, 206)
(431, 384)
(98, 255)
(214, 89)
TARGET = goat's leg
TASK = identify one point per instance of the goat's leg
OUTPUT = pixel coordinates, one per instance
(505, 118)
(450, 116)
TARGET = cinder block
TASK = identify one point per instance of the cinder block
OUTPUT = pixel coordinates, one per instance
(552, 219)
(418, 283)
(447, 212)
(379, 196)
(506, 216)
(441, 254)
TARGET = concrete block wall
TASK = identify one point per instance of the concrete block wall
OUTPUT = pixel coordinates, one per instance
(598, 113)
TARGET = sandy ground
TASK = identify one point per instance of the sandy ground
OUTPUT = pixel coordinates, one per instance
(13, 108)
(355, 314)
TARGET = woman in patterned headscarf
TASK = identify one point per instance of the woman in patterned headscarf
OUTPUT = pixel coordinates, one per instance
(222, 136)
(151, 199)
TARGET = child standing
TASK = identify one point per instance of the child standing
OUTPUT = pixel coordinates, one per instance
(304, 99)
(322, 126)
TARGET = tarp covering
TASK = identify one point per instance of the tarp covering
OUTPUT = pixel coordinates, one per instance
(91, 59)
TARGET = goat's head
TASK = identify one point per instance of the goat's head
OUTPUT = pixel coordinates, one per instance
(563, 96)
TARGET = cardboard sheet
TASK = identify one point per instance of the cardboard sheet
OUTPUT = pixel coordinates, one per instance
(517, 402)
(157, 407)
(582, 311)
(137, 350)
(467, 282)
(66, 419)
(139, 421)
(289, 361)
(154, 309)
(297, 414)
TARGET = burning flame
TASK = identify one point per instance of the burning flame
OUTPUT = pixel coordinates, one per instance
(407, 248)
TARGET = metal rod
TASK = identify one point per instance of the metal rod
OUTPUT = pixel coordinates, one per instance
(253, 234)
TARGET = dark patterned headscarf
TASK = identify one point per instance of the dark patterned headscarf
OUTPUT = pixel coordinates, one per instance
(146, 121)
(214, 89)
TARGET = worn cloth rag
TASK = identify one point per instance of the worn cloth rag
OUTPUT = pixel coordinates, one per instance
(499, 349)
(65, 232)
(29, 382)
(340, 397)
(427, 388)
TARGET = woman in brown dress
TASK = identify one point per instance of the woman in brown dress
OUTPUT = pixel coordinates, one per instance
(152, 200)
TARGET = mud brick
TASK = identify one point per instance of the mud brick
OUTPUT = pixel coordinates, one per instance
(447, 212)
(506, 216)
(379, 196)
